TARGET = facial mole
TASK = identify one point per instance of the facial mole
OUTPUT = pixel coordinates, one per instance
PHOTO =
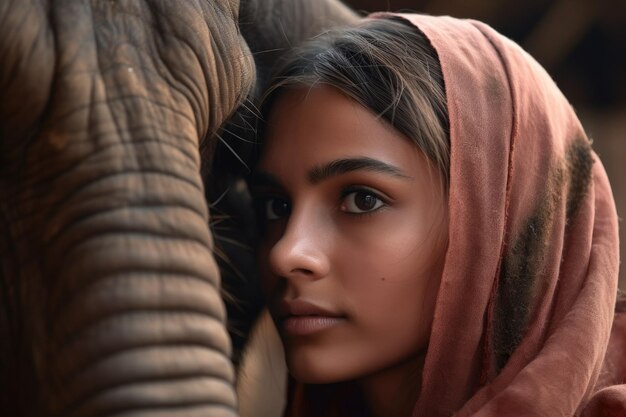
(383, 278)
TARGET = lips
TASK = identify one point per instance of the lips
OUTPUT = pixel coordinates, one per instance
(301, 317)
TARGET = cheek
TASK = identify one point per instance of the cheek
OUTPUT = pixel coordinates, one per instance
(396, 250)
(391, 299)
(390, 308)
(391, 283)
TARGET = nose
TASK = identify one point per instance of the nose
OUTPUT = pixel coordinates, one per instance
(302, 250)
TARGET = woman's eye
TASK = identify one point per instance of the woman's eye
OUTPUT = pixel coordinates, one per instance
(361, 201)
(276, 208)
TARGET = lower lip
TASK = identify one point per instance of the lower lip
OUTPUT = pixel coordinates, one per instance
(303, 325)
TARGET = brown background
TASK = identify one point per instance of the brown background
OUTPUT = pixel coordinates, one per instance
(582, 44)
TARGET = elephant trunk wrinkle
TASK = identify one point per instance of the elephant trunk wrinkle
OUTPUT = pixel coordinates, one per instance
(134, 293)
(175, 362)
(172, 349)
(133, 304)
(125, 331)
(161, 395)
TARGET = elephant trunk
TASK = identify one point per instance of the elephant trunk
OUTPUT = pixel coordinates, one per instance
(135, 323)
(109, 293)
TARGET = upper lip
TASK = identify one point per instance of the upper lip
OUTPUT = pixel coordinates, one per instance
(298, 307)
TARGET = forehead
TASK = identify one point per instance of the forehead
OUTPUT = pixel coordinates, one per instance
(321, 123)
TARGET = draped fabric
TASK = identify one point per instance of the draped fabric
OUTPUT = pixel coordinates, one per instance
(526, 305)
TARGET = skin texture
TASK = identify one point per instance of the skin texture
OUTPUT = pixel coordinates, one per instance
(109, 292)
(376, 264)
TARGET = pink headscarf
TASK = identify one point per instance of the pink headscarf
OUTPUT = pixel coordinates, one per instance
(527, 297)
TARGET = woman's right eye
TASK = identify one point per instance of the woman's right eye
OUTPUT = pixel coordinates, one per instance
(275, 208)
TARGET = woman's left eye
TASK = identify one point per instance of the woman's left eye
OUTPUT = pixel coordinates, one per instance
(361, 201)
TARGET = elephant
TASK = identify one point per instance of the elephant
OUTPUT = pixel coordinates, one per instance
(114, 129)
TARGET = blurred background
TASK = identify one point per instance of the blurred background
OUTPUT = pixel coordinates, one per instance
(581, 43)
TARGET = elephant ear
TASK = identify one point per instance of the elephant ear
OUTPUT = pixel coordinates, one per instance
(271, 28)
(109, 292)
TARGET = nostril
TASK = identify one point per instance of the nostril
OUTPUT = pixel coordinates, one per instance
(302, 271)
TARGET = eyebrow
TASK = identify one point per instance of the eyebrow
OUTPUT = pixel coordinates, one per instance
(345, 165)
(332, 169)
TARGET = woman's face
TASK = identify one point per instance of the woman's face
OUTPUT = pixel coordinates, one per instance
(354, 235)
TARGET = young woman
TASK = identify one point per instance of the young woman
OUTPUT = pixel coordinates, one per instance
(438, 238)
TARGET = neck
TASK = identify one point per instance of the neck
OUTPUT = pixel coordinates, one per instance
(393, 392)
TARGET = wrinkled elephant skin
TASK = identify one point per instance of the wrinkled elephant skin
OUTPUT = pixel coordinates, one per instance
(109, 292)
(103, 212)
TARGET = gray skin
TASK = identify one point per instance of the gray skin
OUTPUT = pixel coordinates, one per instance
(109, 292)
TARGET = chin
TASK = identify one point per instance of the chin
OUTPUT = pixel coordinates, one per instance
(316, 370)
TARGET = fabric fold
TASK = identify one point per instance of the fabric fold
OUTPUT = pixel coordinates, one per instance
(526, 305)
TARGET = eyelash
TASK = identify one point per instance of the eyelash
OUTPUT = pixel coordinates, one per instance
(262, 202)
(355, 189)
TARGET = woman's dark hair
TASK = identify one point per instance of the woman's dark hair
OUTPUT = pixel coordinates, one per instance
(386, 65)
